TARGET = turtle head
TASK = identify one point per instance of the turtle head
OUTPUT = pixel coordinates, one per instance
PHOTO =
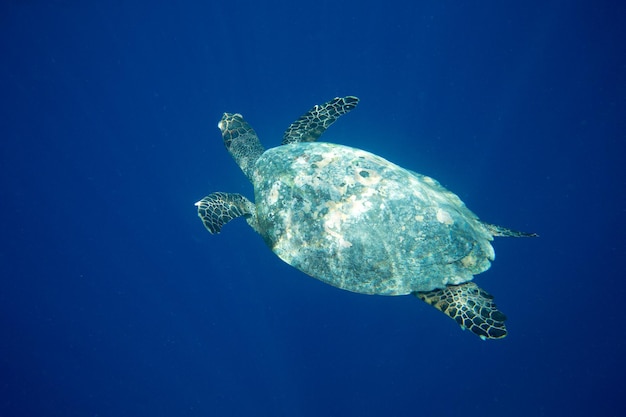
(241, 141)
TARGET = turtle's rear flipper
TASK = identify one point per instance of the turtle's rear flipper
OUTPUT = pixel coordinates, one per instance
(217, 209)
(471, 307)
(313, 123)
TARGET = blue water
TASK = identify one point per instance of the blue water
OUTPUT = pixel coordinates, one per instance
(115, 301)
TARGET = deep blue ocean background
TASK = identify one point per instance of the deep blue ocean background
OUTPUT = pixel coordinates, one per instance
(115, 301)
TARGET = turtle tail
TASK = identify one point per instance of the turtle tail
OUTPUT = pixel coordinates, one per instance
(501, 231)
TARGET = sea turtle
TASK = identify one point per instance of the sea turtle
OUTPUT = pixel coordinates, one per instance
(359, 222)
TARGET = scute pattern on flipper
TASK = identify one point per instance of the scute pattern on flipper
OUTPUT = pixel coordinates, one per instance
(313, 123)
(217, 209)
(470, 306)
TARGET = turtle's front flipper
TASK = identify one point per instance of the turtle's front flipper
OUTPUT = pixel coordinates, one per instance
(217, 209)
(313, 123)
(470, 306)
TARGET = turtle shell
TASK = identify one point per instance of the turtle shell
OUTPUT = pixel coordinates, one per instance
(359, 222)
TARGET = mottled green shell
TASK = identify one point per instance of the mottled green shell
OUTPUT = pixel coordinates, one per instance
(359, 222)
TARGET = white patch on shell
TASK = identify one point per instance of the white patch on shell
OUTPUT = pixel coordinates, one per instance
(444, 217)
(455, 280)
(274, 193)
(469, 261)
(348, 210)
(428, 180)
(332, 225)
